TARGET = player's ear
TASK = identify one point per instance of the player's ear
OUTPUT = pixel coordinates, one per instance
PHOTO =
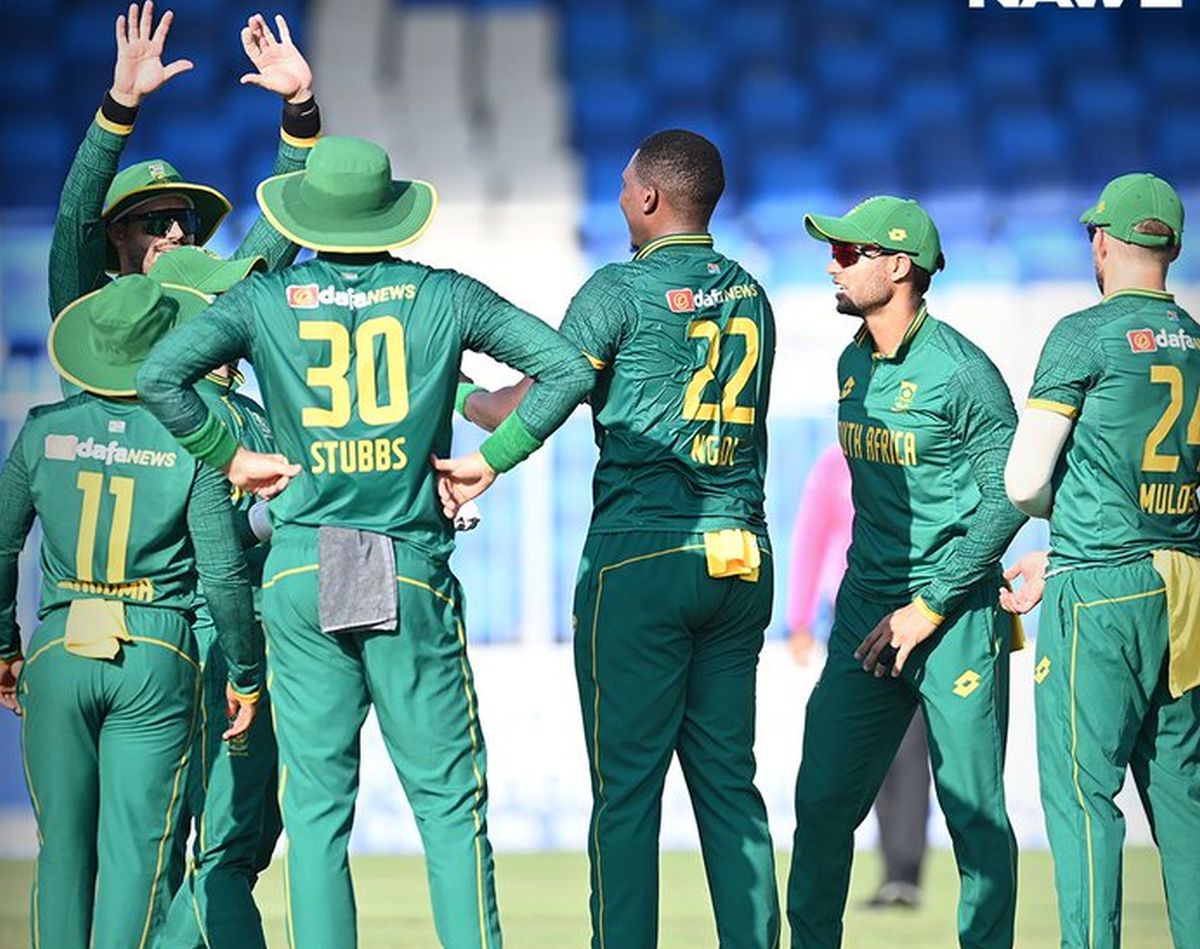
(902, 266)
(650, 199)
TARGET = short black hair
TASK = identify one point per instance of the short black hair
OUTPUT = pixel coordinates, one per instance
(685, 167)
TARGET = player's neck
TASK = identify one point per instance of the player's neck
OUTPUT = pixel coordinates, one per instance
(670, 226)
(888, 324)
(1133, 277)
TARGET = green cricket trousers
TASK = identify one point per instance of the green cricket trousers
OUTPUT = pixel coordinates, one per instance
(232, 801)
(106, 745)
(419, 681)
(853, 726)
(666, 659)
(1103, 705)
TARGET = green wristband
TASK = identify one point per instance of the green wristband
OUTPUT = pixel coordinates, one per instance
(509, 445)
(461, 394)
(212, 442)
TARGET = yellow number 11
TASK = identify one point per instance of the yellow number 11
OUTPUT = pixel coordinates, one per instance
(90, 483)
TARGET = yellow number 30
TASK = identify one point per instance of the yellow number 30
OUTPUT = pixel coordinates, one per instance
(382, 335)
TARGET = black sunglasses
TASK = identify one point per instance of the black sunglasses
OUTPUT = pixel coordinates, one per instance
(1091, 232)
(847, 255)
(158, 223)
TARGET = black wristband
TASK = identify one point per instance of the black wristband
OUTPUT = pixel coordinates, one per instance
(301, 120)
(116, 113)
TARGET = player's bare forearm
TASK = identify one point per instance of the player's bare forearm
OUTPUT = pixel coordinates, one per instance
(488, 409)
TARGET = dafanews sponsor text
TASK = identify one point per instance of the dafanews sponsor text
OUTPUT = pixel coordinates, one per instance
(69, 447)
(308, 296)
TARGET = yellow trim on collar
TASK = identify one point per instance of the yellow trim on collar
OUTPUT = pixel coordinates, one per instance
(598, 364)
(1049, 405)
(688, 240)
(1139, 292)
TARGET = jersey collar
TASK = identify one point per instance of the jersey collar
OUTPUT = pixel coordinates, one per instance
(226, 383)
(675, 241)
(863, 337)
(1139, 292)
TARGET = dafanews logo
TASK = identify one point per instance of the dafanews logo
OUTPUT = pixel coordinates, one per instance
(1077, 4)
(308, 296)
(1147, 341)
(69, 447)
(683, 300)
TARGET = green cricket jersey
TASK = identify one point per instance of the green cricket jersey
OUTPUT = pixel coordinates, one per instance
(925, 431)
(1128, 371)
(125, 515)
(78, 248)
(684, 339)
(358, 365)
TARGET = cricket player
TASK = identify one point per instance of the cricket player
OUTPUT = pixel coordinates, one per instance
(1109, 448)
(122, 222)
(675, 584)
(231, 789)
(357, 355)
(110, 689)
(925, 422)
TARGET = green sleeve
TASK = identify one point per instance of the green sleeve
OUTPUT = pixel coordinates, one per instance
(222, 334)
(983, 421)
(1071, 363)
(78, 247)
(297, 136)
(221, 565)
(561, 375)
(16, 520)
(600, 317)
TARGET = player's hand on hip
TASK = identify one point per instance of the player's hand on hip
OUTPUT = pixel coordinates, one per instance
(241, 712)
(9, 673)
(460, 480)
(1032, 571)
(265, 475)
(139, 69)
(279, 64)
(893, 639)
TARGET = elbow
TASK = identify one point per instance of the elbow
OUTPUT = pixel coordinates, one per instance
(1030, 498)
(151, 384)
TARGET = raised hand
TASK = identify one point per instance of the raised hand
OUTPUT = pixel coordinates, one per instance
(281, 67)
(265, 475)
(460, 480)
(139, 69)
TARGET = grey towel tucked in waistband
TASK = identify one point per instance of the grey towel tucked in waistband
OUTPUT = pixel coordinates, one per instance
(357, 580)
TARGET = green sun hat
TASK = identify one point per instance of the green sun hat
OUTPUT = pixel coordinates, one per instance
(891, 223)
(1129, 200)
(99, 341)
(201, 269)
(345, 200)
(150, 179)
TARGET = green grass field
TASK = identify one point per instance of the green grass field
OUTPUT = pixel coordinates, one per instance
(543, 904)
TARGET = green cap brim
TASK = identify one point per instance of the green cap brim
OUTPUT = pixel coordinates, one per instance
(400, 222)
(72, 356)
(826, 227)
(211, 208)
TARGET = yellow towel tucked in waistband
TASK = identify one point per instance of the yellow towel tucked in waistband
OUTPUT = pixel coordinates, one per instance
(1016, 637)
(96, 628)
(732, 553)
(1181, 575)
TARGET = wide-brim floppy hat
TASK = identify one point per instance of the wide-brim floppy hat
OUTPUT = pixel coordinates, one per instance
(345, 200)
(201, 269)
(154, 178)
(99, 341)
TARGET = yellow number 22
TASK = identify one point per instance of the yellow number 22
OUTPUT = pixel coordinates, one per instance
(694, 408)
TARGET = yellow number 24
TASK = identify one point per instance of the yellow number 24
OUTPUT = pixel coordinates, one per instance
(1152, 460)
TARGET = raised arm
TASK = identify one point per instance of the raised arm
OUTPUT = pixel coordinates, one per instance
(280, 67)
(77, 250)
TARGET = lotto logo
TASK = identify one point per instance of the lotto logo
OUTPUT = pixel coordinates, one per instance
(1142, 341)
(681, 301)
(303, 296)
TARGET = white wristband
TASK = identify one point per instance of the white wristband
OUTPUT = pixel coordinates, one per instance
(260, 520)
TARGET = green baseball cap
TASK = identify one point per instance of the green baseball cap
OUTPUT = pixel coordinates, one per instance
(201, 269)
(898, 224)
(99, 341)
(345, 200)
(1129, 200)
